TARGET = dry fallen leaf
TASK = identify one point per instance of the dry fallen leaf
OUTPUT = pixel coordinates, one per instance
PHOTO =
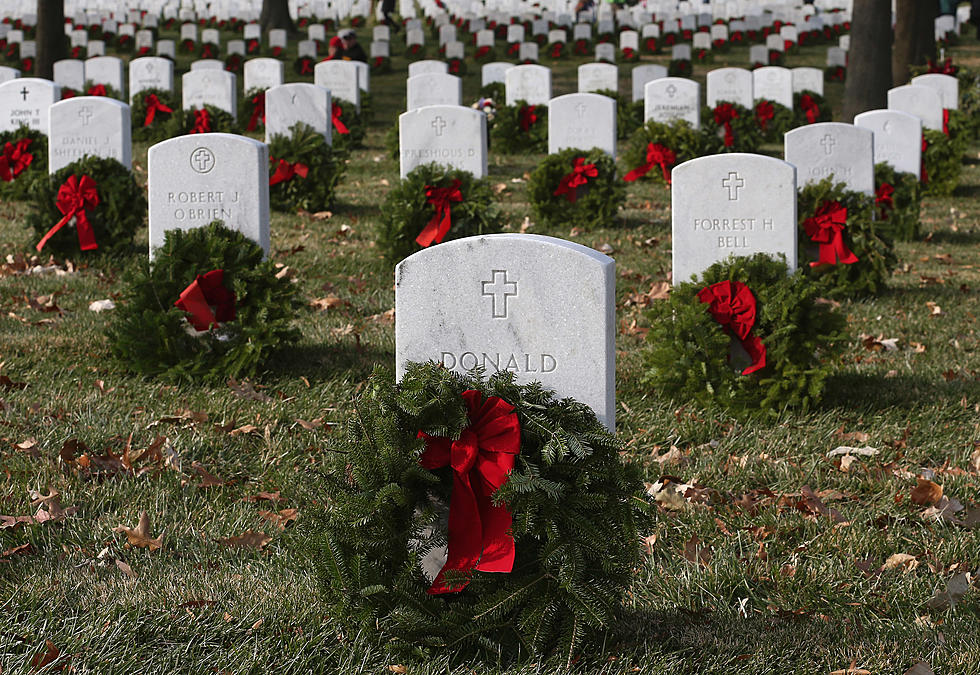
(956, 588)
(101, 305)
(125, 569)
(49, 506)
(921, 668)
(282, 518)
(47, 657)
(208, 480)
(271, 496)
(139, 536)
(250, 539)
(244, 389)
(902, 561)
(695, 552)
(398, 668)
(926, 492)
(329, 302)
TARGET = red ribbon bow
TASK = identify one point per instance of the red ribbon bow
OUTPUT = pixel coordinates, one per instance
(75, 196)
(286, 171)
(883, 199)
(922, 162)
(305, 66)
(732, 305)
(724, 114)
(481, 460)
(335, 114)
(97, 90)
(657, 155)
(202, 121)
(527, 117)
(569, 184)
(207, 51)
(627, 52)
(258, 111)
(946, 121)
(441, 199)
(482, 51)
(826, 228)
(207, 301)
(153, 106)
(810, 108)
(764, 112)
(15, 159)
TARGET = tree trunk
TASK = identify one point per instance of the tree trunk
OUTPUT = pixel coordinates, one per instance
(275, 14)
(915, 41)
(51, 40)
(869, 58)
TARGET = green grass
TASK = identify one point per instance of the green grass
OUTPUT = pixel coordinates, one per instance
(783, 590)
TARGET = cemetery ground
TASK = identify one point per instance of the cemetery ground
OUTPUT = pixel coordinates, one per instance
(775, 555)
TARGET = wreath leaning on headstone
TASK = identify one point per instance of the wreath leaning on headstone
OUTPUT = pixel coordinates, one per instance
(92, 204)
(746, 337)
(251, 110)
(304, 170)
(941, 162)
(209, 119)
(151, 110)
(23, 159)
(840, 245)
(576, 188)
(520, 128)
(207, 307)
(728, 127)
(557, 516)
(348, 125)
(810, 107)
(655, 149)
(774, 119)
(629, 114)
(898, 198)
(433, 204)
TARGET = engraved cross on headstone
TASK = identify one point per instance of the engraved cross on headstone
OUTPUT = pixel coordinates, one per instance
(203, 158)
(581, 109)
(671, 90)
(733, 183)
(828, 142)
(85, 114)
(24, 93)
(438, 124)
(499, 289)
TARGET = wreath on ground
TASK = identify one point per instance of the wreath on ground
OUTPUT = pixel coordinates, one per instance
(728, 127)
(456, 66)
(91, 204)
(208, 308)
(703, 55)
(234, 63)
(304, 65)
(898, 198)
(655, 149)
(101, 89)
(495, 91)
(810, 107)
(348, 126)
(209, 119)
(520, 128)
(484, 54)
(381, 64)
(746, 337)
(582, 46)
(208, 50)
(251, 111)
(556, 50)
(839, 244)
(774, 119)
(941, 163)
(561, 528)
(151, 110)
(23, 160)
(629, 55)
(304, 170)
(576, 188)
(629, 114)
(835, 73)
(651, 44)
(415, 51)
(433, 204)
(679, 68)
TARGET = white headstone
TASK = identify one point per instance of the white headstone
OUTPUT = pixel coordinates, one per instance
(672, 98)
(530, 83)
(107, 70)
(25, 101)
(209, 87)
(897, 138)
(582, 121)
(773, 83)
(923, 102)
(427, 66)
(598, 76)
(493, 72)
(7, 74)
(70, 73)
(150, 72)
(836, 57)
(451, 135)
(207, 64)
(731, 85)
(807, 79)
(642, 75)
(289, 104)
(843, 151)
(434, 89)
(263, 73)
(528, 52)
(605, 51)
(947, 86)
(540, 307)
(340, 77)
(88, 126)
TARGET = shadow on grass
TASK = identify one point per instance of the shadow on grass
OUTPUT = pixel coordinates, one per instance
(876, 392)
(961, 236)
(323, 361)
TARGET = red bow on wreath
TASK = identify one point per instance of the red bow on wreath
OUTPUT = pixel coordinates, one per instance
(657, 155)
(335, 114)
(732, 305)
(481, 459)
(527, 117)
(922, 163)
(724, 113)
(556, 50)
(15, 159)
(826, 228)
(258, 111)
(482, 51)
(153, 106)
(202, 121)
(883, 199)
(810, 108)
(627, 53)
(286, 171)
(946, 121)
(569, 184)
(207, 301)
(75, 196)
(207, 51)
(764, 113)
(97, 90)
(306, 66)
(441, 199)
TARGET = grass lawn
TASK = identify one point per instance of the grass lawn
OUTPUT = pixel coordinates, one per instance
(780, 562)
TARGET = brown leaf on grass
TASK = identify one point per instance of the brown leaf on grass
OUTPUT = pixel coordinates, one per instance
(23, 549)
(879, 343)
(649, 542)
(660, 290)
(955, 590)
(244, 429)
(926, 493)
(139, 536)
(975, 459)
(208, 479)
(52, 501)
(9, 385)
(282, 518)
(270, 496)
(921, 668)
(696, 553)
(383, 317)
(397, 668)
(244, 389)
(44, 303)
(329, 302)
(125, 569)
(851, 670)
(902, 561)
(12, 522)
(672, 456)
(310, 426)
(250, 539)
(47, 657)
(811, 503)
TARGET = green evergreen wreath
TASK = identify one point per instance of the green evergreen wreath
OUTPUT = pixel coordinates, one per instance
(578, 514)
(779, 120)
(688, 353)
(897, 211)
(253, 100)
(941, 163)
(96, 87)
(324, 166)
(679, 68)
(14, 153)
(510, 138)
(353, 122)
(157, 131)
(745, 134)
(860, 235)
(629, 114)
(495, 91)
(115, 219)
(182, 122)
(810, 107)
(150, 335)
(678, 136)
(960, 130)
(596, 203)
(407, 210)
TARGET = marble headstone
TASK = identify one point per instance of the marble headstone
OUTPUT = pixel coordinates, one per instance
(427, 66)
(150, 72)
(289, 104)
(451, 135)
(731, 85)
(773, 83)
(434, 89)
(210, 87)
(263, 73)
(843, 151)
(7, 73)
(25, 101)
(673, 98)
(70, 73)
(807, 79)
(107, 70)
(494, 72)
(923, 102)
(582, 121)
(643, 74)
(897, 138)
(594, 77)
(88, 126)
(340, 77)
(947, 86)
(530, 83)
